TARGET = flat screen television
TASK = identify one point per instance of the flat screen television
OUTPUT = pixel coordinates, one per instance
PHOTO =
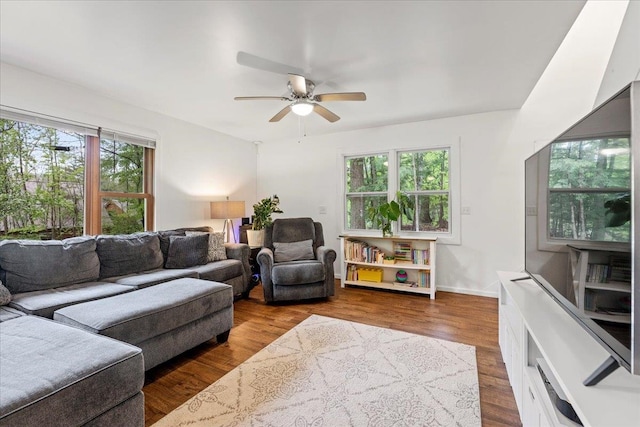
(582, 221)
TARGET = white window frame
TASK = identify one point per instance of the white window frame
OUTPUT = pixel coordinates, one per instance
(453, 236)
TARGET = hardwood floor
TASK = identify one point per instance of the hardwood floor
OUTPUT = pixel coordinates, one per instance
(455, 317)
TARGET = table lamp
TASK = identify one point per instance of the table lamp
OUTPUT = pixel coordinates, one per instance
(227, 210)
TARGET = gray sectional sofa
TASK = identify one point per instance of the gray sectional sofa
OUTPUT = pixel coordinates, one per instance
(163, 292)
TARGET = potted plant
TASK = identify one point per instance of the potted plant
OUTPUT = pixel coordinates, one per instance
(618, 210)
(385, 214)
(262, 212)
(389, 259)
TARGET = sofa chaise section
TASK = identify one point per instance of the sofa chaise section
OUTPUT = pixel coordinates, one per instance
(56, 375)
(163, 320)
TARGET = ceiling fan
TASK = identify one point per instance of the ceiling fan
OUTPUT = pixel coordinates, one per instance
(303, 101)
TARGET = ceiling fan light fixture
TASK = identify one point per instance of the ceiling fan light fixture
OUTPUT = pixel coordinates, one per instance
(302, 108)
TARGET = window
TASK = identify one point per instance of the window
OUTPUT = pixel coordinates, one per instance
(424, 175)
(60, 180)
(589, 190)
(367, 180)
(122, 194)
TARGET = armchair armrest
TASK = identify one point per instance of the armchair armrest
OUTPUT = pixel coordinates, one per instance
(265, 261)
(326, 255)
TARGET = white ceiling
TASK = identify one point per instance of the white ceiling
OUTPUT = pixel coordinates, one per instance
(415, 60)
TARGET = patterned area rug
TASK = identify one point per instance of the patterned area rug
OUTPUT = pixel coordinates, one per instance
(329, 372)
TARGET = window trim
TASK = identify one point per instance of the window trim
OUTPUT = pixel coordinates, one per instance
(453, 237)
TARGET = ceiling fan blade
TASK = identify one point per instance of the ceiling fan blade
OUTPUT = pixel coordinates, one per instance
(332, 117)
(342, 96)
(298, 85)
(261, 98)
(281, 114)
(253, 61)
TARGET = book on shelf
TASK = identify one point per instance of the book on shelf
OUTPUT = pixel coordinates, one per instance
(420, 256)
(358, 251)
(352, 272)
(424, 278)
(402, 251)
(620, 268)
(408, 284)
(597, 273)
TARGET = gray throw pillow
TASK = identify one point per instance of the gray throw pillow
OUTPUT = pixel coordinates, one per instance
(187, 251)
(5, 295)
(294, 251)
(217, 251)
(164, 237)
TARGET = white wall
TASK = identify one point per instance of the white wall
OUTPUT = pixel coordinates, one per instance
(194, 165)
(624, 64)
(307, 175)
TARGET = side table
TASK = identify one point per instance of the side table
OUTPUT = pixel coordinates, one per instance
(253, 261)
(255, 268)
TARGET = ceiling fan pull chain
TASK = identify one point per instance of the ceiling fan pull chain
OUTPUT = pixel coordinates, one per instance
(302, 129)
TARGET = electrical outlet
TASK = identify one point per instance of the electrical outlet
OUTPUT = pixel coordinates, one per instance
(531, 211)
(466, 210)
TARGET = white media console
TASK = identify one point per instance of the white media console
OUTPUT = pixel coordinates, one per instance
(535, 330)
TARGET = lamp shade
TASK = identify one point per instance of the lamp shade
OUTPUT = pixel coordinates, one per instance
(227, 209)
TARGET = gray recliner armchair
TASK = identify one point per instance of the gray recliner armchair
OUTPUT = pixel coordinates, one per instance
(294, 263)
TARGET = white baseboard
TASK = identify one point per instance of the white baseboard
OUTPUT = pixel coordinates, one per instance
(492, 292)
(467, 291)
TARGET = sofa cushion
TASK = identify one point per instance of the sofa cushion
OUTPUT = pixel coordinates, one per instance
(8, 313)
(34, 265)
(187, 251)
(44, 303)
(294, 251)
(216, 250)
(5, 295)
(149, 312)
(56, 375)
(154, 277)
(128, 253)
(297, 272)
(219, 271)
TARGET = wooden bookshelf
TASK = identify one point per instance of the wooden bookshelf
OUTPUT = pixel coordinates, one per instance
(415, 256)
